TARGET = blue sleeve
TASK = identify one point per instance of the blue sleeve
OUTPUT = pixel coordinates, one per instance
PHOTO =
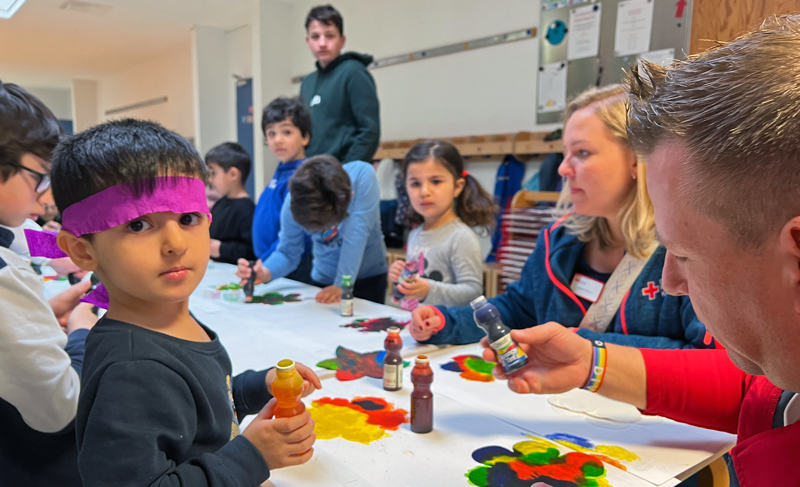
(291, 244)
(516, 308)
(158, 417)
(76, 348)
(360, 221)
(365, 107)
(250, 392)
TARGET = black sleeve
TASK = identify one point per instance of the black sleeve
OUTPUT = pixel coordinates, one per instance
(76, 347)
(242, 246)
(250, 392)
(141, 418)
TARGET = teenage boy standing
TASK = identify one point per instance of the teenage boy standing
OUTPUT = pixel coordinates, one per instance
(340, 94)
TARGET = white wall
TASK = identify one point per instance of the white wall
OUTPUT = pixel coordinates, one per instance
(84, 104)
(58, 100)
(272, 69)
(239, 43)
(213, 120)
(485, 91)
(169, 74)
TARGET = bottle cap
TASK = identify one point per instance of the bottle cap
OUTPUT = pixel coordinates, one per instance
(422, 360)
(286, 365)
(478, 302)
(393, 330)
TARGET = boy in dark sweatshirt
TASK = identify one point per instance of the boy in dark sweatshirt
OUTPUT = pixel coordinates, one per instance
(159, 405)
(232, 215)
(340, 94)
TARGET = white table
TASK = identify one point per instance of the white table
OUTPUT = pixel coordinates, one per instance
(468, 415)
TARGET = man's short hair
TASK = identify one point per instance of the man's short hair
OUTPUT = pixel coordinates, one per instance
(327, 15)
(26, 126)
(321, 193)
(230, 154)
(283, 108)
(120, 152)
(735, 109)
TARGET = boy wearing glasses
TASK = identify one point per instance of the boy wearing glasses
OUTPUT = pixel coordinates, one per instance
(40, 365)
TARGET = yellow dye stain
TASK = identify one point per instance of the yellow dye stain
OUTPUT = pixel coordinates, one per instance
(332, 421)
(535, 445)
(617, 452)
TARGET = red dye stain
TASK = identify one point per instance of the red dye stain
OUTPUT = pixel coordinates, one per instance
(375, 324)
(381, 413)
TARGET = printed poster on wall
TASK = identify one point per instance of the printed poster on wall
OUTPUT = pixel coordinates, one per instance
(552, 88)
(661, 57)
(634, 27)
(584, 32)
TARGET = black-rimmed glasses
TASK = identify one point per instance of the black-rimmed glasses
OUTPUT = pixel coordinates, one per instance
(42, 179)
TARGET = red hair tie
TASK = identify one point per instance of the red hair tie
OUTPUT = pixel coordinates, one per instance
(464, 173)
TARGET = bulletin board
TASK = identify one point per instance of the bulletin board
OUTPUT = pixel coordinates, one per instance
(591, 43)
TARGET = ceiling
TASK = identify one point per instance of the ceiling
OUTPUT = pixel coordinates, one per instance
(46, 44)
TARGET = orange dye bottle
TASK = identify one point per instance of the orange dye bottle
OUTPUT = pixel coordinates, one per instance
(422, 397)
(288, 389)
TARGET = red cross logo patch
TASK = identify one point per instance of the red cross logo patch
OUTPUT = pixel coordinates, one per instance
(651, 290)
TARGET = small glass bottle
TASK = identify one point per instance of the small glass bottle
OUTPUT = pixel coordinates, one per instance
(347, 295)
(422, 397)
(287, 388)
(249, 286)
(393, 361)
(410, 272)
(487, 316)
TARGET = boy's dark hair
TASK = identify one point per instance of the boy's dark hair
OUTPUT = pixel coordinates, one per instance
(228, 155)
(26, 126)
(283, 108)
(327, 15)
(474, 206)
(321, 193)
(120, 152)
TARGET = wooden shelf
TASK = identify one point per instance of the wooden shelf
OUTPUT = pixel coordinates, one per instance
(519, 144)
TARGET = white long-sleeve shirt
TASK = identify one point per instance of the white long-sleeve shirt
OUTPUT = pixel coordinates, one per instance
(36, 375)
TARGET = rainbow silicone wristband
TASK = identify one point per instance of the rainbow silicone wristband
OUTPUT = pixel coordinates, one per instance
(598, 371)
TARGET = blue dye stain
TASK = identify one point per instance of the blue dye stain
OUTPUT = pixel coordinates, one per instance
(572, 439)
(487, 453)
(452, 366)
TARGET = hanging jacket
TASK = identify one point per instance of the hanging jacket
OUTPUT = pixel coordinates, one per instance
(508, 182)
(648, 317)
(343, 104)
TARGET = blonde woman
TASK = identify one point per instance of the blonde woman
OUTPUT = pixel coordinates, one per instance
(607, 224)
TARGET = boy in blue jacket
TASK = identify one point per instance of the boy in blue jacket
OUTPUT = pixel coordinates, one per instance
(338, 207)
(648, 317)
(287, 127)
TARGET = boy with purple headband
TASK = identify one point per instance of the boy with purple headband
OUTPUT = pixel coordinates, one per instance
(159, 405)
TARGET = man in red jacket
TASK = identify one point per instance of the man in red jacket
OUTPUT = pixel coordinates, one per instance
(721, 134)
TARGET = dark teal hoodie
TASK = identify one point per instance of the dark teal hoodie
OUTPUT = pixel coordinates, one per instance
(343, 103)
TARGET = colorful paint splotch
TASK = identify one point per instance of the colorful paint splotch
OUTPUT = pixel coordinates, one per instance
(233, 286)
(610, 454)
(54, 278)
(375, 324)
(352, 365)
(361, 420)
(277, 298)
(536, 462)
(471, 367)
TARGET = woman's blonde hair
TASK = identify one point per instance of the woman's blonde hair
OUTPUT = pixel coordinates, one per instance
(636, 217)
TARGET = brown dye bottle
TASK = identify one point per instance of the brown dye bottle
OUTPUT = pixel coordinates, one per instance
(393, 361)
(422, 397)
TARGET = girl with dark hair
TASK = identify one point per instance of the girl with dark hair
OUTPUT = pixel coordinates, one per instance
(445, 202)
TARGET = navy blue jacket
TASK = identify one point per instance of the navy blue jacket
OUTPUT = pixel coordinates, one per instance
(267, 217)
(648, 317)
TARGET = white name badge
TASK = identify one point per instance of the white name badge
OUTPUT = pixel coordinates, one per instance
(586, 287)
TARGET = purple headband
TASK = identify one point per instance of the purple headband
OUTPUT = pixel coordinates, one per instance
(115, 206)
